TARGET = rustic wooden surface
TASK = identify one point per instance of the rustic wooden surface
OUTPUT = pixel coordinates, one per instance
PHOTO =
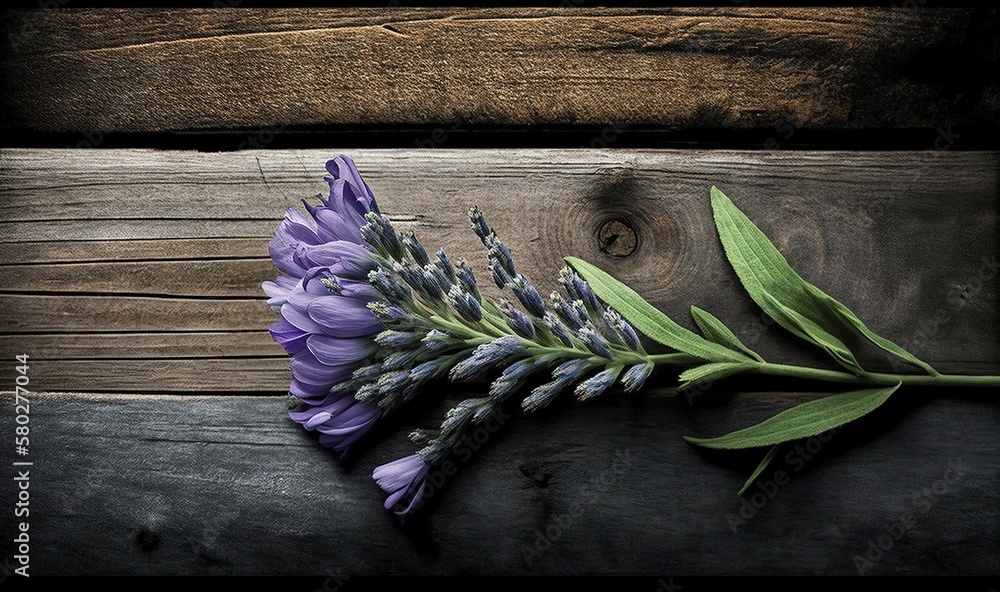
(227, 485)
(140, 270)
(137, 272)
(738, 67)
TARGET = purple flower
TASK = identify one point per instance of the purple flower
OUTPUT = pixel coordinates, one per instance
(296, 229)
(288, 336)
(300, 242)
(340, 420)
(405, 480)
(324, 363)
(323, 298)
(323, 304)
(277, 291)
(326, 325)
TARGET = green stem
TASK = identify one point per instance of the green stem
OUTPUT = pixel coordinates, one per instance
(877, 378)
(676, 359)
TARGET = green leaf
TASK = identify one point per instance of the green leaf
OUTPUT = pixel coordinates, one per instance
(715, 330)
(771, 281)
(773, 452)
(646, 318)
(802, 421)
(715, 371)
(835, 308)
(833, 346)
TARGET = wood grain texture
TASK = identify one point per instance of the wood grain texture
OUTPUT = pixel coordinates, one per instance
(263, 69)
(115, 263)
(194, 485)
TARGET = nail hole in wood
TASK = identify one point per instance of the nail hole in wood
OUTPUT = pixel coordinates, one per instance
(617, 238)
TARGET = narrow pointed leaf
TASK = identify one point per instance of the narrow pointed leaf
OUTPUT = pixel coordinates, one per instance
(715, 330)
(763, 270)
(802, 421)
(833, 346)
(760, 266)
(773, 452)
(646, 318)
(715, 371)
(847, 317)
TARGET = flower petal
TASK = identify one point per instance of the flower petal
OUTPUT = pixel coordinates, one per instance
(294, 230)
(331, 226)
(337, 352)
(343, 317)
(288, 336)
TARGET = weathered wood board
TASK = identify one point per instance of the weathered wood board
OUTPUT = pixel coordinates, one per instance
(228, 485)
(127, 70)
(139, 270)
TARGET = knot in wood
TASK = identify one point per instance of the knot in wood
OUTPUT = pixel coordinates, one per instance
(617, 238)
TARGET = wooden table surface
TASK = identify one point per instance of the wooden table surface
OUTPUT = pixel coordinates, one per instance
(131, 277)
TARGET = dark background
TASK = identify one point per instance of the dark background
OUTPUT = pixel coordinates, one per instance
(149, 154)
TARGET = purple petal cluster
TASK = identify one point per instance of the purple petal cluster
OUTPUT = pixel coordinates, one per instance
(323, 299)
(405, 480)
(369, 316)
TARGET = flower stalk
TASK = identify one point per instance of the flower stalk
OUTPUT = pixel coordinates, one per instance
(369, 317)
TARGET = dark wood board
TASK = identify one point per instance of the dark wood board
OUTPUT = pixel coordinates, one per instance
(228, 485)
(126, 70)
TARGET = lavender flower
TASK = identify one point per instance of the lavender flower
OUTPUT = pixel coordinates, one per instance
(341, 420)
(467, 280)
(369, 317)
(636, 376)
(519, 322)
(563, 375)
(488, 355)
(597, 384)
(405, 480)
(325, 323)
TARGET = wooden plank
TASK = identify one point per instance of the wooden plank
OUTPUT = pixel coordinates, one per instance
(160, 25)
(674, 68)
(193, 373)
(906, 239)
(228, 485)
(29, 233)
(83, 251)
(226, 278)
(71, 313)
(102, 346)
